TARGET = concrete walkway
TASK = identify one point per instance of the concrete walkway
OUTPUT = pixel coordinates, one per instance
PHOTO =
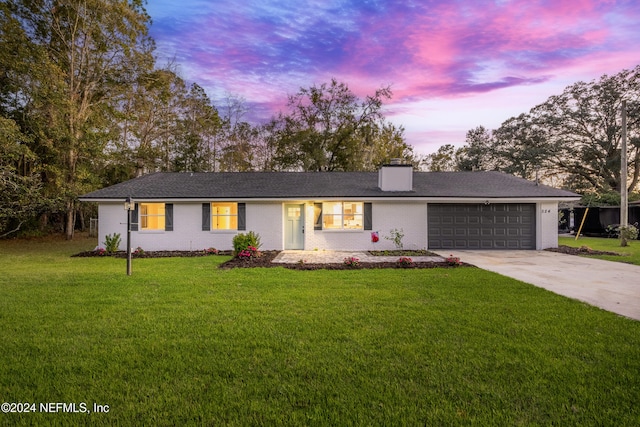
(612, 286)
(337, 257)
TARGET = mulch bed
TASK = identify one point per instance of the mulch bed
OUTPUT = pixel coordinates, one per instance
(403, 252)
(582, 250)
(265, 260)
(149, 254)
(267, 257)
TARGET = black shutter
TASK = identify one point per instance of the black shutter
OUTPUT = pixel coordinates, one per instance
(242, 216)
(206, 217)
(168, 217)
(368, 217)
(317, 213)
(134, 217)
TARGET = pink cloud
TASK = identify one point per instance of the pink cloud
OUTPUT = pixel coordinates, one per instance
(438, 50)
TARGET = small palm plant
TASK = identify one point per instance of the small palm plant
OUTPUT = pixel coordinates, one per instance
(112, 242)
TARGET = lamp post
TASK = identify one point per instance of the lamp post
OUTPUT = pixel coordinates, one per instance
(129, 205)
(624, 201)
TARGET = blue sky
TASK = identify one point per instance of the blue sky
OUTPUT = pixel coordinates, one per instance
(452, 65)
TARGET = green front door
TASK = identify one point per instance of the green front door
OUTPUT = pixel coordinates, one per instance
(294, 226)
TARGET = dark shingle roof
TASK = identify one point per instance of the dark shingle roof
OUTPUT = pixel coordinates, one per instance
(283, 185)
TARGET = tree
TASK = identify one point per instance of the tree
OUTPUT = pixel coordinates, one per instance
(574, 136)
(240, 145)
(269, 137)
(521, 147)
(84, 51)
(20, 188)
(584, 127)
(329, 128)
(442, 160)
(476, 154)
(195, 149)
(388, 142)
(149, 125)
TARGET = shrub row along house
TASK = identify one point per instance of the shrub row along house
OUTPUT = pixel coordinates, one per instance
(334, 210)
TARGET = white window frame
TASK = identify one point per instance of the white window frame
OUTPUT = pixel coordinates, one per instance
(145, 217)
(217, 218)
(342, 217)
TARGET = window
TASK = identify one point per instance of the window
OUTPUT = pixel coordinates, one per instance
(293, 212)
(224, 216)
(342, 216)
(152, 216)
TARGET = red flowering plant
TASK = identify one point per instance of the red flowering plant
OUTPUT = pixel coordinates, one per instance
(405, 261)
(250, 252)
(245, 246)
(453, 261)
(211, 251)
(351, 261)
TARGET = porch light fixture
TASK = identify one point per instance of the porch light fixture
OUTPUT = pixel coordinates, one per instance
(129, 206)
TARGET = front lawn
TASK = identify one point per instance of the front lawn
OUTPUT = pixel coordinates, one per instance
(184, 343)
(629, 254)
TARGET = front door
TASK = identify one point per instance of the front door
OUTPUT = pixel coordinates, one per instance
(294, 226)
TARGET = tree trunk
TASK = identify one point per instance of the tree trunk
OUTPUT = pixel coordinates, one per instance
(70, 220)
(83, 226)
(44, 221)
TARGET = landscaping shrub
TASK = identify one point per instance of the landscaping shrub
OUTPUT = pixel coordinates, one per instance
(112, 242)
(627, 233)
(246, 245)
(351, 261)
(405, 261)
(396, 236)
(453, 261)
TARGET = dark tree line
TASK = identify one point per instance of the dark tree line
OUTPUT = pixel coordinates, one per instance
(572, 139)
(83, 104)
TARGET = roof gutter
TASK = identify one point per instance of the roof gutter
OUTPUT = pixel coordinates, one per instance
(424, 199)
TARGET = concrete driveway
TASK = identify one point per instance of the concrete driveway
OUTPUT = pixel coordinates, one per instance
(612, 286)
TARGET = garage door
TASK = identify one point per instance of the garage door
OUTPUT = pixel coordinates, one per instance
(480, 226)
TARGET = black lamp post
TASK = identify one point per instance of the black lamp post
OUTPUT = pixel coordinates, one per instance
(129, 205)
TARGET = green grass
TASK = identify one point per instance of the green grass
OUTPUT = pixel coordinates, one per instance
(183, 343)
(629, 254)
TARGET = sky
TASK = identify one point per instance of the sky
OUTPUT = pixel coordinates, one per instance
(452, 65)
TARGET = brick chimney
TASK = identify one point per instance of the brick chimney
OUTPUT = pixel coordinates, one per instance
(396, 176)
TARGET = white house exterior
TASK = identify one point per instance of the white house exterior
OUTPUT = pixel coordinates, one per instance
(333, 210)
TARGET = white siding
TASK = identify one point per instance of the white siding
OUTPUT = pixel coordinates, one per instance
(112, 218)
(547, 225)
(187, 234)
(267, 219)
(410, 217)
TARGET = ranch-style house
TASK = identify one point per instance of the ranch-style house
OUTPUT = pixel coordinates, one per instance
(333, 210)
